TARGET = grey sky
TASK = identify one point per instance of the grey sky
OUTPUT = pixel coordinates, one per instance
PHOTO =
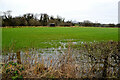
(103, 11)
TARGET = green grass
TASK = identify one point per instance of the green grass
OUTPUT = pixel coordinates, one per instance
(20, 38)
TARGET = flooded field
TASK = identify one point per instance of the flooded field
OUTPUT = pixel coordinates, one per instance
(88, 60)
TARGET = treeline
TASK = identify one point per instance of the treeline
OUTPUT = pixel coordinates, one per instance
(88, 23)
(44, 19)
(30, 19)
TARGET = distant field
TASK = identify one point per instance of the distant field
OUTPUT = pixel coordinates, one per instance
(42, 37)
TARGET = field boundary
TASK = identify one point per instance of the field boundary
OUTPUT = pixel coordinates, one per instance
(56, 26)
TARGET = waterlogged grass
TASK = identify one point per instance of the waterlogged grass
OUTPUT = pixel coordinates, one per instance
(42, 37)
(94, 60)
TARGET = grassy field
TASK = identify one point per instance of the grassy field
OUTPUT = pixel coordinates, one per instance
(42, 37)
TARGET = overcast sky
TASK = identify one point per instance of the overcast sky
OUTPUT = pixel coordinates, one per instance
(103, 11)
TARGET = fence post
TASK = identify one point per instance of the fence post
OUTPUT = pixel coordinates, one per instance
(18, 57)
